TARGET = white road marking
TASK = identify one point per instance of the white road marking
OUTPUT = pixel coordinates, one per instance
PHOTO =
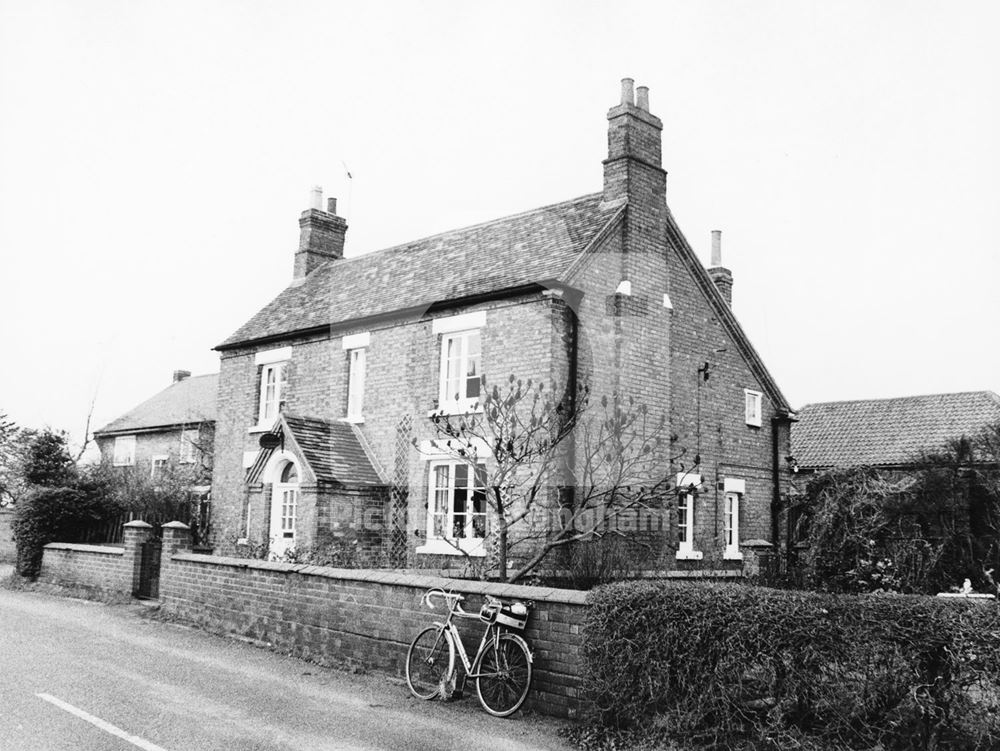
(107, 727)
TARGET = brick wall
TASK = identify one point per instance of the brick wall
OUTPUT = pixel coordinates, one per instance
(523, 336)
(366, 618)
(729, 448)
(102, 569)
(8, 551)
(162, 443)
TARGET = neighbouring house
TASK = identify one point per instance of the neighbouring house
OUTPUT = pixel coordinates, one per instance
(325, 391)
(887, 433)
(173, 431)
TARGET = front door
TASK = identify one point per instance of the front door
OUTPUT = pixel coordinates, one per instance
(284, 504)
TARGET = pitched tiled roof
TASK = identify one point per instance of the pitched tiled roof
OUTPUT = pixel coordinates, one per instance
(527, 248)
(184, 402)
(887, 431)
(333, 450)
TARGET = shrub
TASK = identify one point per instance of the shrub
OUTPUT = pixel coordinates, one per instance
(47, 515)
(735, 666)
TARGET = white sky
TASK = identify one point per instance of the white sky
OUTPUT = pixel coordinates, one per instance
(154, 158)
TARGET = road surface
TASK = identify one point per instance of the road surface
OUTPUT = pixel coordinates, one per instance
(81, 675)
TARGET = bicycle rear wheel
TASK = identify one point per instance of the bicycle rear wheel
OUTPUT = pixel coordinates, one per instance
(503, 675)
(430, 658)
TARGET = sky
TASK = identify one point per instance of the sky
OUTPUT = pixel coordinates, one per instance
(155, 157)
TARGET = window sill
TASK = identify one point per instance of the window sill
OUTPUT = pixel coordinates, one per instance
(355, 420)
(732, 555)
(443, 547)
(456, 409)
(689, 555)
(253, 429)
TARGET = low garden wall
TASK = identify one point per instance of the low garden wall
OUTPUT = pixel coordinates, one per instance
(358, 618)
(94, 567)
(365, 618)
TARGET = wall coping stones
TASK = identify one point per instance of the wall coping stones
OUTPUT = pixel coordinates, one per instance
(137, 523)
(106, 549)
(417, 581)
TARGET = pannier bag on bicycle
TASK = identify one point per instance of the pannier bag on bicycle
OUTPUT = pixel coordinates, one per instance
(514, 615)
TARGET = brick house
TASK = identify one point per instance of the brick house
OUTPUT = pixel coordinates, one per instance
(323, 392)
(887, 433)
(171, 431)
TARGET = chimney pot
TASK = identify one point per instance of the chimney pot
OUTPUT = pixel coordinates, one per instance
(331, 205)
(716, 247)
(643, 98)
(317, 198)
(628, 96)
(180, 375)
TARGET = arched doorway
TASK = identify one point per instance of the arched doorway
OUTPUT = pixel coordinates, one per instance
(284, 507)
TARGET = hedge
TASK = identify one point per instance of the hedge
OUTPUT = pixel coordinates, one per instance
(737, 666)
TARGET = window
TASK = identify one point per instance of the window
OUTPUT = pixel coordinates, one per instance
(355, 384)
(189, 446)
(734, 489)
(456, 508)
(272, 388)
(731, 526)
(461, 371)
(753, 407)
(158, 466)
(686, 496)
(124, 455)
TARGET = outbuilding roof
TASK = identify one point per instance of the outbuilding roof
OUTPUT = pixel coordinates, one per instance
(185, 402)
(887, 432)
(529, 248)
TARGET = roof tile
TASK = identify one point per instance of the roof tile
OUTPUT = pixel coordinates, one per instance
(887, 431)
(527, 248)
(184, 402)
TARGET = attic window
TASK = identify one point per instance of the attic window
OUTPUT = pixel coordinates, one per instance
(753, 407)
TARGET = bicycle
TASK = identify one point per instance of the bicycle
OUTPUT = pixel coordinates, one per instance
(501, 666)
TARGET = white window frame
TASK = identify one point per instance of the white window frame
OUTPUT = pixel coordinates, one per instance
(474, 546)
(446, 401)
(731, 527)
(162, 459)
(124, 451)
(356, 364)
(734, 490)
(686, 497)
(189, 445)
(753, 403)
(265, 419)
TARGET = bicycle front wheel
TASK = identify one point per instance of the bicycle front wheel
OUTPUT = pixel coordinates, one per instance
(429, 660)
(503, 675)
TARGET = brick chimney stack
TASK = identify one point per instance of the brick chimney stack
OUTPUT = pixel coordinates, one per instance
(180, 375)
(321, 236)
(721, 276)
(634, 167)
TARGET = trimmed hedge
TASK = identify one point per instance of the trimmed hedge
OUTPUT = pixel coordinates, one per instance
(736, 666)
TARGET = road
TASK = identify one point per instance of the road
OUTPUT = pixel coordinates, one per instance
(81, 675)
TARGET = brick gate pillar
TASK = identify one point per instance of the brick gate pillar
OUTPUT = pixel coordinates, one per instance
(134, 534)
(176, 539)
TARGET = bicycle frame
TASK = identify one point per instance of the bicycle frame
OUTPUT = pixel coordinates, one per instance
(491, 633)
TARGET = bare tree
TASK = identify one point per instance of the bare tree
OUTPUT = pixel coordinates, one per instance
(552, 469)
